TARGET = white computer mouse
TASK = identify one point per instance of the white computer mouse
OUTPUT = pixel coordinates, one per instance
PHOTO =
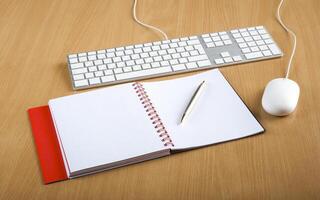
(280, 97)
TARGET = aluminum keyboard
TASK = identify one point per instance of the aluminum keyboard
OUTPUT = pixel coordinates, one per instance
(162, 58)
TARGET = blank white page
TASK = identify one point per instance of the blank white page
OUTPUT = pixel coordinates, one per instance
(218, 115)
(103, 126)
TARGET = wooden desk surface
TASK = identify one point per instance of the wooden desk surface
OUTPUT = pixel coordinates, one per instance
(283, 163)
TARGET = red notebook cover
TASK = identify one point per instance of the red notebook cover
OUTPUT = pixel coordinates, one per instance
(47, 145)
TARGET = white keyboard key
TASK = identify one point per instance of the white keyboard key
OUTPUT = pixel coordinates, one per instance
(110, 55)
(253, 33)
(127, 69)
(193, 37)
(189, 48)
(119, 53)
(78, 77)
(98, 73)
(117, 70)
(162, 52)
(93, 57)
(225, 37)
(136, 67)
(248, 39)
(81, 83)
(214, 34)
(130, 63)
(193, 42)
(228, 60)
(218, 61)
(246, 50)
(260, 42)
(210, 45)
(92, 69)
(193, 53)
(89, 75)
(178, 67)
(243, 45)
(180, 49)
(79, 71)
(144, 55)
(237, 58)
(191, 65)
(219, 43)
(155, 64)
(94, 81)
(164, 63)
(128, 52)
(73, 60)
(120, 64)
(106, 79)
(203, 63)
(76, 66)
(72, 56)
(253, 55)
(236, 35)
(225, 54)
(274, 49)
(173, 45)
(251, 44)
(267, 53)
(197, 58)
(146, 66)
(108, 72)
(107, 61)
(101, 51)
(147, 72)
(153, 53)
(268, 41)
(125, 58)
(245, 34)
(262, 31)
(175, 55)
(256, 37)
(254, 49)
(101, 56)
(139, 61)
(83, 59)
(205, 35)
(216, 38)
(148, 60)
(116, 59)
(234, 31)
(263, 47)
(135, 56)
(88, 64)
(207, 40)
(174, 62)
(240, 40)
(111, 66)
(183, 60)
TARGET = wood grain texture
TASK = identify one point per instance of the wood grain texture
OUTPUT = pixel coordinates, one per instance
(283, 163)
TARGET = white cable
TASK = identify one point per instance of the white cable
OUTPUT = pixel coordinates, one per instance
(146, 25)
(292, 34)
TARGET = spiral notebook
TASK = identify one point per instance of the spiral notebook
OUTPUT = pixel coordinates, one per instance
(135, 122)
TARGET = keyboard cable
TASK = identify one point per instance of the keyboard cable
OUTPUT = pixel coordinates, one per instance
(144, 24)
(292, 34)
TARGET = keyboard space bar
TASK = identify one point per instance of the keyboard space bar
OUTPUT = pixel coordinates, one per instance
(145, 72)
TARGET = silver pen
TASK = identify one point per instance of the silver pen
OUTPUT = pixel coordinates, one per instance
(193, 100)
